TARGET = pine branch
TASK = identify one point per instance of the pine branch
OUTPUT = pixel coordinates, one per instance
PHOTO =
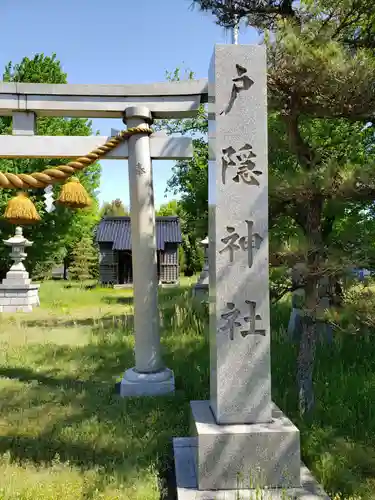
(320, 77)
(275, 296)
(261, 13)
(286, 258)
(331, 261)
(358, 192)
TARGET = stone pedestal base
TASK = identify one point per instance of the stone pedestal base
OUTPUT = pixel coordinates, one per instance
(147, 384)
(18, 297)
(221, 460)
(185, 456)
(247, 454)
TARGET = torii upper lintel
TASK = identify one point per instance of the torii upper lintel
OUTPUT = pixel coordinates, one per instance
(164, 100)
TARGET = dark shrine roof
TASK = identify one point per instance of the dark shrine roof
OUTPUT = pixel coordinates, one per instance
(117, 230)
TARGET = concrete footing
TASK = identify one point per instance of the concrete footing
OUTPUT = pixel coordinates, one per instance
(226, 452)
(241, 461)
(185, 456)
(147, 384)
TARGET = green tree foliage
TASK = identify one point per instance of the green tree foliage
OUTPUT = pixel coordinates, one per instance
(191, 255)
(190, 181)
(58, 231)
(170, 208)
(192, 259)
(115, 208)
(84, 263)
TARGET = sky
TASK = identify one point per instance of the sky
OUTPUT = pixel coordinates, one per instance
(115, 42)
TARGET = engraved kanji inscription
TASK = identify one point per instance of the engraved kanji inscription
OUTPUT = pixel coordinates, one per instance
(230, 317)
(241, 82)
(252, 319)
(234, 242)
(234, 319)
(139, 169)
(242, 162)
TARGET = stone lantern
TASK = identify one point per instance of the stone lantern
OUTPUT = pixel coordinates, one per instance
(201, 287)
(18, 243)
(17, 293)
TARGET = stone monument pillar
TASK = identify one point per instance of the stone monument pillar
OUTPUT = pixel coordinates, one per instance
(149, 376)
(200, 289)
(17, 293)
(242, 441)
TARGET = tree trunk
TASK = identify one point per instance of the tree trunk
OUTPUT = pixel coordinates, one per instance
(309, 335)
(298, 275)
(306, 359)
(66, 265)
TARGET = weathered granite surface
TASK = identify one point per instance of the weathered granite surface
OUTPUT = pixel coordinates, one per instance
(262, 454)
(238, 234)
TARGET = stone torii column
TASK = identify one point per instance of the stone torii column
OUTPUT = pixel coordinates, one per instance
(149, 376)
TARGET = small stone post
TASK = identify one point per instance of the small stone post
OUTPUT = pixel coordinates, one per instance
(149, 376)
(200, 289)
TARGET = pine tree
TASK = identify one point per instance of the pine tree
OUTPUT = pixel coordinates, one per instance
(84, 263)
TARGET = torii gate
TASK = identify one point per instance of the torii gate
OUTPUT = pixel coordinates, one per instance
(136, 105)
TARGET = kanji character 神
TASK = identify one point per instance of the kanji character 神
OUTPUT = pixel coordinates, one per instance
(234, 242)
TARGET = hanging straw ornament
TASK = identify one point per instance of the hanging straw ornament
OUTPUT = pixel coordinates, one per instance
(74, 195)
(21, 210)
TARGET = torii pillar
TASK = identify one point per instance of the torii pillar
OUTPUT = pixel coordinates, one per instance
(149, 376)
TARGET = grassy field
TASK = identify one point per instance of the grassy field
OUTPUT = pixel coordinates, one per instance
(65, 432)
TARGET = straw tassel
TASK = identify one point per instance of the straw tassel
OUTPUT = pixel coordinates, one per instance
(21, 210)
(74, 195)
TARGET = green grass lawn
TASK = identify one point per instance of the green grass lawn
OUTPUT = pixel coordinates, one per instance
(65, 432)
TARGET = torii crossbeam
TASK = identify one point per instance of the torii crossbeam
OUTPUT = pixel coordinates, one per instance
(164, 100)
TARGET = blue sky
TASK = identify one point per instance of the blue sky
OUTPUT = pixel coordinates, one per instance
(114, 42)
